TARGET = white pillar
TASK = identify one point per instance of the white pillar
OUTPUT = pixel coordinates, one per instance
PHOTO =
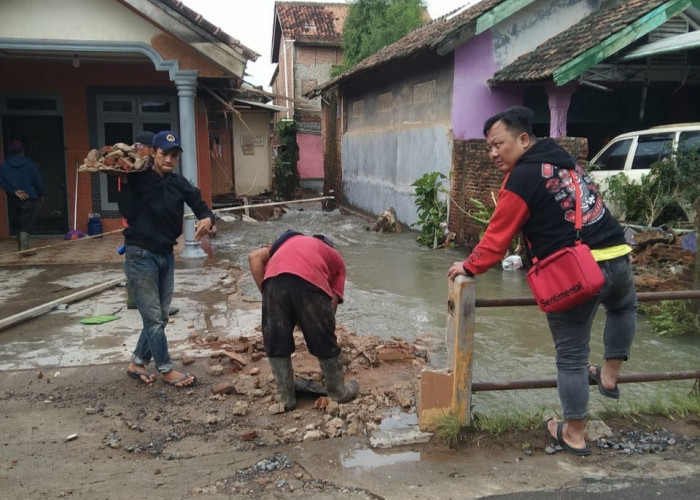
(186, 83)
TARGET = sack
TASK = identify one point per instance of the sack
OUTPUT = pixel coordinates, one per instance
(565, 279)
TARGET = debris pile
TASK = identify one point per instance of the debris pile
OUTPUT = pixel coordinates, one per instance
(387, 371)
(661, 262)
(119, 158)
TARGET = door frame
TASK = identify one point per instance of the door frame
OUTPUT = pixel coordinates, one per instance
(58, 110)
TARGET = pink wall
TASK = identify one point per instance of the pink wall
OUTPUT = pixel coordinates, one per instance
(473, 100)
(310, 163)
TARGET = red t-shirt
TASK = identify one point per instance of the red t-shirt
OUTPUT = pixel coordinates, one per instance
(312, 260)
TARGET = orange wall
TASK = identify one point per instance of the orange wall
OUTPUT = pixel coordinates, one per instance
(60, 78)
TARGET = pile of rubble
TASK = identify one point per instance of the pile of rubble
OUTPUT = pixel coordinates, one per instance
(661, 262)
(120, 158)
(395, 365)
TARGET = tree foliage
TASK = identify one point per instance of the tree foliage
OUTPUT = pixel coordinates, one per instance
(373, 24)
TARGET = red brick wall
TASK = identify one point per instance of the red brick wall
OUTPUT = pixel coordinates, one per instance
(475, 176)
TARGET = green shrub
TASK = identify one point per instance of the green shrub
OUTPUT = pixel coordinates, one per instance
(432, 212)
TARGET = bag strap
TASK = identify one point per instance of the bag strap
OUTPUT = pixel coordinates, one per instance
(578, 220)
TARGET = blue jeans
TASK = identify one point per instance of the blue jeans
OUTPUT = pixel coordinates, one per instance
(571, 331)
(152, 277)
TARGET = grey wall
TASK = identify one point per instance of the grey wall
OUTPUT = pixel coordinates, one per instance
(395, 134)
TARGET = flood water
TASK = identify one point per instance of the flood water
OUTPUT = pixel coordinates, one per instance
(395, 287)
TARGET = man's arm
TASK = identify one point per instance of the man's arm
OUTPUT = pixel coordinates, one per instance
(257, 260)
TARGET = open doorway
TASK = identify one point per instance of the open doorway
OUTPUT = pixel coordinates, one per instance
(43, 143)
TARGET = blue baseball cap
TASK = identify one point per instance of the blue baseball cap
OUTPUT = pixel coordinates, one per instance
(166, 139)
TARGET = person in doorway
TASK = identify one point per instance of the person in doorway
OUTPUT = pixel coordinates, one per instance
(302, 280)
(152, 202)
(537, 196)
(145, 138)
(20, 179)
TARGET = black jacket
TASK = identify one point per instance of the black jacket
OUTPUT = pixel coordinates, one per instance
(153, 206)
(537, 197)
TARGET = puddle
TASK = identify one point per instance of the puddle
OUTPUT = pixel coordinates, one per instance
(370, 459)
(399, 421)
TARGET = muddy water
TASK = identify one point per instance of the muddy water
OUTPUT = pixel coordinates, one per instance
(396, 287)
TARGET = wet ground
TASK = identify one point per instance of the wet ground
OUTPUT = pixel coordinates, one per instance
(74, 426)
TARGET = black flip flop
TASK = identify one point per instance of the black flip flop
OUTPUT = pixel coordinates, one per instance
(608, 393)
(138, 375)
(559, 441)
(182, 379)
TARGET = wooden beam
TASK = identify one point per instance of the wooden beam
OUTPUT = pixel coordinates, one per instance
(499, 13)
(618, 41)
(48, 306)
(456, 38)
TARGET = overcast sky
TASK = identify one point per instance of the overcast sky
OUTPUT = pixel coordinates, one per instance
(250, 21)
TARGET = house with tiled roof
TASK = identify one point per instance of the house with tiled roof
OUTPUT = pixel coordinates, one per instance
(84, 73)
(306, 45)
(590, 69)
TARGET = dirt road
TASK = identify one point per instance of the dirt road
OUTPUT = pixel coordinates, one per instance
(92, 433)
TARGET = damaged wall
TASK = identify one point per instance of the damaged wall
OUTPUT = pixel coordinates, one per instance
(396, 133)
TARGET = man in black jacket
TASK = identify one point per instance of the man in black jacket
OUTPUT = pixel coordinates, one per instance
(152, 201)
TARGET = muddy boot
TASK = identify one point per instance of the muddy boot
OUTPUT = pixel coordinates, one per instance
(130, 304)
(23, 243)
(333, 373)
(284, 377)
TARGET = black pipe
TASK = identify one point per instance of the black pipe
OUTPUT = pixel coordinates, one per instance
(547, 383)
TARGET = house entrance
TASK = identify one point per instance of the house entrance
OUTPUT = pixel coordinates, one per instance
(43, 143)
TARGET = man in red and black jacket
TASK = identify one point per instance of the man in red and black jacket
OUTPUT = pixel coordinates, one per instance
(537, 197)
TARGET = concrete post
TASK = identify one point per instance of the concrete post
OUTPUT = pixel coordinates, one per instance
(186, 92)
(448, 391)
(460, 325)
(559, 100)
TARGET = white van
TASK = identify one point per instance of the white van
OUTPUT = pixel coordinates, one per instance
(634, 152)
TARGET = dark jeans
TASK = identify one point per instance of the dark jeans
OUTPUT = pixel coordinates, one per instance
(571, 331)
(289, 300)
(22, 214)
(152, 277)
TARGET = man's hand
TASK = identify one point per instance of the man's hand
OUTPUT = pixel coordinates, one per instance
(21, 194)
(457, 269)
(203, 226)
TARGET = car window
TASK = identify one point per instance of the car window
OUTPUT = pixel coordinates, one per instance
(689, 141)
(614, 157)
(652, 148)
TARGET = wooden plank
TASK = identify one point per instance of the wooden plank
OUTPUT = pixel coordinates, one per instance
(618, 41)
(499, 13)
(44, 308)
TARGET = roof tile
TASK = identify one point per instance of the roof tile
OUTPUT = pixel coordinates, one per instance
(307, 21)
(541, 63)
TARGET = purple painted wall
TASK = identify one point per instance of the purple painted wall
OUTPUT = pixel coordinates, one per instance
(473, 100)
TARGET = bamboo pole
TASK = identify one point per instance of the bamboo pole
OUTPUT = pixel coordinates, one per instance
(85, 238)
(270, 204)
(48, 306)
